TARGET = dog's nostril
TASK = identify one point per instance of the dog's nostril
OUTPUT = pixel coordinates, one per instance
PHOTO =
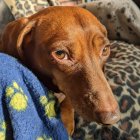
(108, 117)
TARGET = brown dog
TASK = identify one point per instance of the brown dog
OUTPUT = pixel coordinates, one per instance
(67, 48)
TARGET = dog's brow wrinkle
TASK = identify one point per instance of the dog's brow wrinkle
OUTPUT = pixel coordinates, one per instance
(80, 21)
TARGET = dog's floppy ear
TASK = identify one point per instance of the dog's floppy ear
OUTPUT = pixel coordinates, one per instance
(21, 36)
(14, 34)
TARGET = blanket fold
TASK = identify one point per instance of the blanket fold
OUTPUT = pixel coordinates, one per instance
(27, 108)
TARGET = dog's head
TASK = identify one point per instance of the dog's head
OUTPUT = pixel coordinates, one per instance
(70, 46)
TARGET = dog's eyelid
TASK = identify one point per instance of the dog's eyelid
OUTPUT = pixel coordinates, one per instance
(61, 55)
(106, 51)
(57, 47)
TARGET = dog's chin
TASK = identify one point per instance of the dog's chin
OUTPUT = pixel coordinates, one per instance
(86, 116)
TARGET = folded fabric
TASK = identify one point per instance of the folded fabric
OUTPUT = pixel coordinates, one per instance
(120, 17)
(28, 111)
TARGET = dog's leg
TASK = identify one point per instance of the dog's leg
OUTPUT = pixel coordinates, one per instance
(67, 115)
(67, 112)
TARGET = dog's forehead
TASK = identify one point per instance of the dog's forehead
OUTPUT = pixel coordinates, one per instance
(67, 19)
(68, 16)
(71, 24)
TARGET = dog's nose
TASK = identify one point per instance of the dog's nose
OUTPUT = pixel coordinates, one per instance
(108, 118)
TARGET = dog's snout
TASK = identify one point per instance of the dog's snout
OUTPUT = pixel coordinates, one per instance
(108, 118)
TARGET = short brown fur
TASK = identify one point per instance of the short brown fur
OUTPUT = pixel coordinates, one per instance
(80, 78)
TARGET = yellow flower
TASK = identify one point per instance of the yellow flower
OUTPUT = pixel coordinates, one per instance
(43, 138)
(49, 109)
(43, 100)
(3, 125)
(21, 89)
(19, 102)
(2, 136)
(40, 138)
(15, 85)
(9, 91)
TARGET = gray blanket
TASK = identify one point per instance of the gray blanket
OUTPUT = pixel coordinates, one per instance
(120, 17)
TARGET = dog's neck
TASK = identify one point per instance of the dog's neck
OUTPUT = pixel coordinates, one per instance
(47, 81)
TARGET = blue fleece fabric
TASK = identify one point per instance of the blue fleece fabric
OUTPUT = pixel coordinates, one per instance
(27, 108)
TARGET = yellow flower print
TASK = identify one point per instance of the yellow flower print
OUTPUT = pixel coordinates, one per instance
(43, 100)
(18, 100)
(40, 138)
(2, 135)
(3, 130)
(50, 110)
(9, 91)
(15, 85)
(3, 125)
(49, 106)
(44, 138)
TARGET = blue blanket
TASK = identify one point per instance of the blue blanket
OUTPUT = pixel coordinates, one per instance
(27, 108)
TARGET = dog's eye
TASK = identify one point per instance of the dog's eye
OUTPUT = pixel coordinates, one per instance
(106, 50)
(60, 54)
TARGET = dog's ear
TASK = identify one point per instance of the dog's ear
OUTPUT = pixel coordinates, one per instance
(26, 30)
(14, 34)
